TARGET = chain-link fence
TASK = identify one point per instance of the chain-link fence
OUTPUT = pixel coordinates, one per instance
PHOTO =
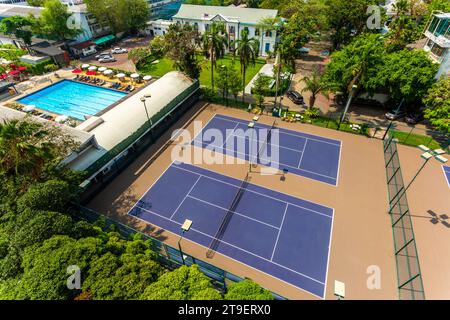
(409, 277)
(168, 256)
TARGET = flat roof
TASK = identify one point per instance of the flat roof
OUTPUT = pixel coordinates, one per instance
(79, 136)
(244, 15)
(8, 10)
(122, 120)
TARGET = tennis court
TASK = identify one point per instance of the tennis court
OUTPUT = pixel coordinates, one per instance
(280, 235)
(447, 174)
(307, 155)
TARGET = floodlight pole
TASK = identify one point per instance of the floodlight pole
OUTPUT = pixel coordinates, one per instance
(146, 111)
(179, 247)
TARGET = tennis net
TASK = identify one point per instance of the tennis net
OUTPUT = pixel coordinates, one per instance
(227, 218)
(266, 142)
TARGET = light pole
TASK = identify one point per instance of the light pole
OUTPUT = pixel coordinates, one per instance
(143, 99)
(349, 100)
(427, 155)
(251, 126)
(184, 228)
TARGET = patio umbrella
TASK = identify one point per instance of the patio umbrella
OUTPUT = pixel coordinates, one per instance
(92, 68)
(107, 72)
(3, 76)
(91, 73)
(101, 69)
(120, 75)
(85, 66)
(134, 75)
(61, 119)
(77, 71)
(28, 108)
(22, 68)
(14, 72)
(147, 78)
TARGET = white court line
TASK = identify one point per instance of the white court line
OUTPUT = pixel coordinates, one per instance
(272, 144)
(275, 162)
(445, 174)
(283, 164)
(279, 231)
(258, 193)
(234, 212)
(234, 246)
(185, 198)
(233, 259)
(339, 164)
(328, 258)
(288, 132)
(229, 135)
(303, 152)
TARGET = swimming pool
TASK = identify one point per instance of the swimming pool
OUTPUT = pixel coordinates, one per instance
(73, 99)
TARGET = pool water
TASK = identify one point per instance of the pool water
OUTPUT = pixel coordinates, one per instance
(73, 99)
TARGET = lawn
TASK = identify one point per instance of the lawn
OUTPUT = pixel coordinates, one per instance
(165, 65)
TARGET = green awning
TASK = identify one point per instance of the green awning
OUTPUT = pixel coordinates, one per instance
(104, 39)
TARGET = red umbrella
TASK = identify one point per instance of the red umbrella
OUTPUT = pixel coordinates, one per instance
(3, 76)
(77, 71)
(22, 68)
(91, 73)
(14, 72)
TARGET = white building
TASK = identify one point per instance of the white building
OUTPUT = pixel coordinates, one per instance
(158, 27)
(438, 42)
(235, 19)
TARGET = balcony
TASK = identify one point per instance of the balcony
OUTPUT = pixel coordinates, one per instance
(441, 40)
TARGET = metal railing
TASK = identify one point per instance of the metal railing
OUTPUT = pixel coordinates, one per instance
(167, 255)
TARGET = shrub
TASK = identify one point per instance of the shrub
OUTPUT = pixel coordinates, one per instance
(247, 290)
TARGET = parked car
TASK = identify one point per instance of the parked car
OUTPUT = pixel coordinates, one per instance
(295, 97)
(107, 59)
(395, 115)
(119, 50)
(412, 118)
(103, 54)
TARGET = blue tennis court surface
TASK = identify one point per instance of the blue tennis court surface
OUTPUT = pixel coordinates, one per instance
(300, 153)
(283, 236)
(447, 174)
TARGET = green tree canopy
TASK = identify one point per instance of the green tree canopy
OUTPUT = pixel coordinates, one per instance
(18, 26)
(53, 21)
(184, 283)
(407, 75)
(437, 101)
(247, 290)
(182, 42)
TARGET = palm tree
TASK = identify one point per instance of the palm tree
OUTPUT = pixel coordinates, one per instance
(215, 42)
(267, 24)
(23, 147)
(314, 85)
(247, 50)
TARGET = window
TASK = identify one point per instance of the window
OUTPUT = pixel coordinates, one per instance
(231, 29)
(206, 27)
(437, 50)
(246, 30)
(256, 32)
(268, 33)
(195, 25)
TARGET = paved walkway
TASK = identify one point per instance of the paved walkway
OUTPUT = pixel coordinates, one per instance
(266, 69)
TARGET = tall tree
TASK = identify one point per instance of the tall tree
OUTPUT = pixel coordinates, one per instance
(120, 15)
(53, 21)
(247, 50)
(215, 42)
(315, 85)
(437, 103)
(18, 26)
(181, 45)
(347, 19)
